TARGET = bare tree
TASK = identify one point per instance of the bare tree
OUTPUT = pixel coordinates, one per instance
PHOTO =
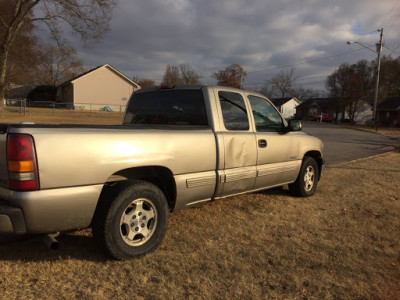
(282, 83)
(304, 93)
(336, 84)
(58, 65)
(188, 74)
(233, 76)
(146, 83)
(181, 74)
(87, 18)
(23, 54)
(348, 85)
(389, 77)
(266, 90)
(171, 76)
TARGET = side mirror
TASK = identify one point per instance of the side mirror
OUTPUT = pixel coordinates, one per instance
(295, 125)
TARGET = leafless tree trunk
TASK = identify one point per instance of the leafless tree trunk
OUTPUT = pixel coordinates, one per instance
(58, 65)
(88, 18)
(189, 76)
(282, 83)
(171, 76)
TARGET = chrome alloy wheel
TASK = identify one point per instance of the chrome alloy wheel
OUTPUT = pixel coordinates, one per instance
(309, 178)
(138, 222)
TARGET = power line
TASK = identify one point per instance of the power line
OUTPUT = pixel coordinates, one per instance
(290, 65)
(310, 83)
(305, 62)
(395, 49)
(293, 85)
(392, 16)
(312, 77)
(252, 83)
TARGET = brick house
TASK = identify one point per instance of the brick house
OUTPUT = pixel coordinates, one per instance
(388, 112)
(316, 107)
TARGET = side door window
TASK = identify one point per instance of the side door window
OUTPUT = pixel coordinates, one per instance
(266, 117)
(234, 111)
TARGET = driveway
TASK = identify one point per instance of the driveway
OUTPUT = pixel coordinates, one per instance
(343, 144)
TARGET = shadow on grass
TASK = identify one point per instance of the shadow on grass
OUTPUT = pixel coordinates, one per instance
(278, 191)
(32, 248)
(76, 245)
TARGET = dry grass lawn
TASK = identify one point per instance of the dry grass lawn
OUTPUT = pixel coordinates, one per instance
(342, 243)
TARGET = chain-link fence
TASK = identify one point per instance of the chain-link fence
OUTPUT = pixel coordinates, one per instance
(24, 107)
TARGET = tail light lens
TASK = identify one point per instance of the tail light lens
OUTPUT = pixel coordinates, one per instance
(22, 163)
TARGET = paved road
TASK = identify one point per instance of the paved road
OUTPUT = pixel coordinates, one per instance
(343, 144)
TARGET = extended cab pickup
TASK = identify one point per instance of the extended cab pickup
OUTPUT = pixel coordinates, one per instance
(178, 147)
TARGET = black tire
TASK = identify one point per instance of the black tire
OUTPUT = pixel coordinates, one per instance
(307, 180)
(131, 222)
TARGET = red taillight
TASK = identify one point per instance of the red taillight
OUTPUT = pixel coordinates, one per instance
(21, 162)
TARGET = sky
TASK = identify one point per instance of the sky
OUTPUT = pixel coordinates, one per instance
(265, 37)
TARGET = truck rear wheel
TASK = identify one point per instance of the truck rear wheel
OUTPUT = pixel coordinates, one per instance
(306, 183)
(133, 223)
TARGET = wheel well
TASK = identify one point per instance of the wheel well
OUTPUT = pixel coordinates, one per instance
(318, 158)
(160, 176)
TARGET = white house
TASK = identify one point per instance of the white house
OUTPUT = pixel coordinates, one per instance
(100, 87)
(287, 106)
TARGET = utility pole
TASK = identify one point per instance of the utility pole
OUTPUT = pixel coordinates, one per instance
(379, 51)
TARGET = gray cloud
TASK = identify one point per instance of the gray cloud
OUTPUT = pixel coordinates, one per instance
(258, 34)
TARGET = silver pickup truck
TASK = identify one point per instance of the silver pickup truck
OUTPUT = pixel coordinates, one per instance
(178, 147)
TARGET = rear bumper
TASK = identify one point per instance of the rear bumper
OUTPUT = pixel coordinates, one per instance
(47, 211)
(11, 220)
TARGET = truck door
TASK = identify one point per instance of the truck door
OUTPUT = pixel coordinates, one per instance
(277, 162)
(237, 145)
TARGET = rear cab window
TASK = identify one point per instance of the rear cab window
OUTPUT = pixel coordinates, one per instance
(184, 107)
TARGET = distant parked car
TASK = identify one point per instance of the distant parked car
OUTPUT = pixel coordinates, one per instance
(325, 118)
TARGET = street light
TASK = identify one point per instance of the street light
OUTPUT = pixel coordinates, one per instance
(378, 51)
(361, 44)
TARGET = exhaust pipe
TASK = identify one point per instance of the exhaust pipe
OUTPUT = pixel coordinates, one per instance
(50, 241)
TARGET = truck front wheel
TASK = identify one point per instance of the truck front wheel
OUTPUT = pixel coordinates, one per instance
(133, 223)
(307, 180)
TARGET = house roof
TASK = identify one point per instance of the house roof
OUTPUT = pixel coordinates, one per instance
(392, 103)
(322, 103)
(105, 66)
(282, 101)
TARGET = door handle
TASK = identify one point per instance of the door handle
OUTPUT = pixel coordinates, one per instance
(262, 143)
